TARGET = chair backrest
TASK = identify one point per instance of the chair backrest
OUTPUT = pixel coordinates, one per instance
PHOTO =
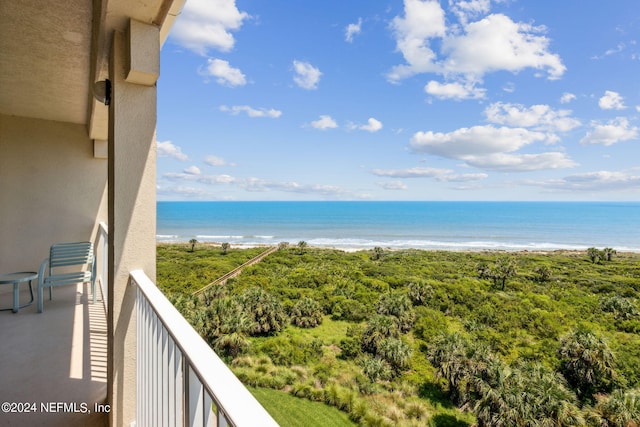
(74, 253)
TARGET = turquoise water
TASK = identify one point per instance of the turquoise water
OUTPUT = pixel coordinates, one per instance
(421, 225)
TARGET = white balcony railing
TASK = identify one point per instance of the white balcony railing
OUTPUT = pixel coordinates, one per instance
(181, 381)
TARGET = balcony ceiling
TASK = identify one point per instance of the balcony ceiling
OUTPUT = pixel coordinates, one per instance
(52, 51)
(45, 59)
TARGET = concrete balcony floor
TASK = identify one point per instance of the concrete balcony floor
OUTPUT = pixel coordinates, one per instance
(54, 358)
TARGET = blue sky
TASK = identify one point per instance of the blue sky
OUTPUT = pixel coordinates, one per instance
(393, 100)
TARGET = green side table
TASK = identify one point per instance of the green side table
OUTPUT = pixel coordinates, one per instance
(15, 279)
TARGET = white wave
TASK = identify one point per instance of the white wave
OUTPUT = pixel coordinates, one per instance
(351, 244)
(207, 237)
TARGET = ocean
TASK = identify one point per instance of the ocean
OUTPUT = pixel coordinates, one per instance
(511, 226)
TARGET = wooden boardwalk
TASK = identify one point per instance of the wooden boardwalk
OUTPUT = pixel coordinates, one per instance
(236, 271)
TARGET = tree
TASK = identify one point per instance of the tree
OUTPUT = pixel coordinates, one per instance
(306, 313)
(377, 253)
(193, 243)
(587, 363)
(302, 246)
(504, 268)
(594, 255)
(225, 247)
(608, 253)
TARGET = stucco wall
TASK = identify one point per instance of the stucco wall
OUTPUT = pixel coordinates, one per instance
(52, 189)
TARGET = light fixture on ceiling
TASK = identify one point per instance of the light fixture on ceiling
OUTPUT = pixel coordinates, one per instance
(102, 91)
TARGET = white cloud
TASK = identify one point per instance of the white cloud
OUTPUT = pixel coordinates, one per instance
(477, 140)
(168, 149)
(521, 162)
(373, 125)
(538, 117)
(497, 43)
(185, 192)
(466, 9)
(638, 108)
(352, 30)
(253, 184)
(455, 91)
(489, 147)
(192, 170)
(567, 97)
(225, 73)
(614, 131)
(436, 173)
(423, 20)
(217, 161)
(207, 24)
(324, 122)
(592, 181)
(611, 101)
(392, 185)
(204, 179)
(470, 50)
(412, 172)
(306, 75)
(251, 112)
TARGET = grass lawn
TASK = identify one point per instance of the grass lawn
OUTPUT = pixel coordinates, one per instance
(290, 411)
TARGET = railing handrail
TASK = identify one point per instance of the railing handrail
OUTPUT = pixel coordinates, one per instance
(237, 403)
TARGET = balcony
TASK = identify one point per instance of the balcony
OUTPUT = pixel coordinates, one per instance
(60, 357)
(57, 357)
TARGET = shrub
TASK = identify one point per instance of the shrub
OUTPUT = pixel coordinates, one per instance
(265, 310)
(375, 368)
(306, 313)
(620, 409)
(420, 292)
(398, 305)
(621, 307)
(396, 353)
(378, 328)
(586, 363)
(350, 348)
(542, 273)
(349, 309)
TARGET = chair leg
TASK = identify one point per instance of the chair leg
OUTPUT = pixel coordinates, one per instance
(40, 298)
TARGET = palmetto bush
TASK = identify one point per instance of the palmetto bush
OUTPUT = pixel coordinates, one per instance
(265, 310)
(398, 305)
(587, 363)
(306, 313)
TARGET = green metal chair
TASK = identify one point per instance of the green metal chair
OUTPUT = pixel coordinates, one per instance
(62, 259)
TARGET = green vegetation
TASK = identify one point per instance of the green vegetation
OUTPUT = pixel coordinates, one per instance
(408, 338)
(288, 410)
(183, 268)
